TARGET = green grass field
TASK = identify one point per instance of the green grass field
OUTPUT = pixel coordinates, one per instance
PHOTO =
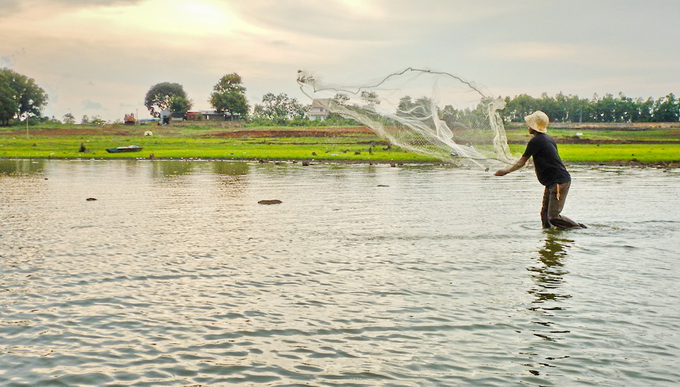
(203, 144)
(614, 153)
(603, 145)
(609, 143)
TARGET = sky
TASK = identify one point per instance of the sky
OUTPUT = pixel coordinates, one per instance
(100, 57)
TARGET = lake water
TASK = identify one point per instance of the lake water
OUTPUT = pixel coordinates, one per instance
(364, 275)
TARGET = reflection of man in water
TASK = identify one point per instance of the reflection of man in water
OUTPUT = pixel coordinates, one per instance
(548, 275)
(550, 172)
(549, 323)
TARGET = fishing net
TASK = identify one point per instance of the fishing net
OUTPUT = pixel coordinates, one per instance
(427, 112)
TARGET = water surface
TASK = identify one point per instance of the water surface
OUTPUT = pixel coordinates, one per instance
(364, 275)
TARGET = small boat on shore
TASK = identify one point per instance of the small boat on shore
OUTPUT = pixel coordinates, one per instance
(121, 149)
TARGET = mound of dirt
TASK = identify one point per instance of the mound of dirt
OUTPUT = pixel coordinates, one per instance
(302, 132)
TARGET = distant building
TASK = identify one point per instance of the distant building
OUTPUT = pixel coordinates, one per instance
(210, 115)
(167, 116)
(193, 116)
(320, 109)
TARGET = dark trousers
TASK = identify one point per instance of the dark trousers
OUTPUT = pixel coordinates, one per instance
(554, 198)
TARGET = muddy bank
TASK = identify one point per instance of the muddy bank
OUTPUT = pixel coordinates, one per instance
(293, 132)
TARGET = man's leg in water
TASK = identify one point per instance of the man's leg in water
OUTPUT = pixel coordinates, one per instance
(556, 197)
(544, 208)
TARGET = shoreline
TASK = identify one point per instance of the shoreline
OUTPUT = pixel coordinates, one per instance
(392, 163)
(654, 146)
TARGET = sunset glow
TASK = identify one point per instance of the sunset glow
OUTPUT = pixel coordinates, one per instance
(99, 58)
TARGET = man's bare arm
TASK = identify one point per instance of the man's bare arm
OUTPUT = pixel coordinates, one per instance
(519, 164)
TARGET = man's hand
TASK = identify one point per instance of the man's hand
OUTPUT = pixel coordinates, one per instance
(519, 164)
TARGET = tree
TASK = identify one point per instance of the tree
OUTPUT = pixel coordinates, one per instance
(667, 109)
(609, 108)
(19, 95)
(519, 107)
(179, 104)
(627, 110)
(69, 118)
(279, 109)
(229, 96)
(8, 103)
(645, 109)
(166, 96)
(341, 99)
(96, 120)
(405, 105)
(370, 97)
(578, 109)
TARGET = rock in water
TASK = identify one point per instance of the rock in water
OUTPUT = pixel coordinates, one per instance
(270, 201)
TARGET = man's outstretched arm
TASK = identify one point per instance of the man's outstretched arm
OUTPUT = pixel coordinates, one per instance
(519, 164)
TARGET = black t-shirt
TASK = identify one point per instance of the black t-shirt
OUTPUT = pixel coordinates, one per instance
(547, 162)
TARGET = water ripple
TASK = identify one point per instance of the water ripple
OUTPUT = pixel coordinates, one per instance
(342, 284)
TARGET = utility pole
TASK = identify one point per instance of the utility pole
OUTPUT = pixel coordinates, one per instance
(24, 116)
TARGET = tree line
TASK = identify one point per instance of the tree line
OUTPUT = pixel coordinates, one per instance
(609, 108)
(21, 97)
(228, 97)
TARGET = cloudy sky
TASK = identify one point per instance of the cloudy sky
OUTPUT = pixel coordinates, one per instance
(100, 57)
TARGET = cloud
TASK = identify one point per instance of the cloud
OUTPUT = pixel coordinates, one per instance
(377, 20)
(9, 7)
(42, 8)
(91, 105)
(90, 3)
(532, 51)
(112, 51)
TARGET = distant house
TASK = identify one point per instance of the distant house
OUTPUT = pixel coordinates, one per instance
(193, 116)
(320, 109)
(213, 115)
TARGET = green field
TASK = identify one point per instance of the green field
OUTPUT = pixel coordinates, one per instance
(615, 153)
(202, 143)
(582, 144)
(608, 143)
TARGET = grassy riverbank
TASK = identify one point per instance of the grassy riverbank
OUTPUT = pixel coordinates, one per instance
(649, 143)
(203, 142)
(603, 143)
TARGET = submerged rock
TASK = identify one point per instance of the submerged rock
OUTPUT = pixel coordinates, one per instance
(270, 201)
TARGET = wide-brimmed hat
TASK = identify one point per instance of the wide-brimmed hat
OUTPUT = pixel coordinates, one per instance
(538, 121)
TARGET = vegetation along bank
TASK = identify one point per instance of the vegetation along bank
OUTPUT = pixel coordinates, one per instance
(602, 143)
